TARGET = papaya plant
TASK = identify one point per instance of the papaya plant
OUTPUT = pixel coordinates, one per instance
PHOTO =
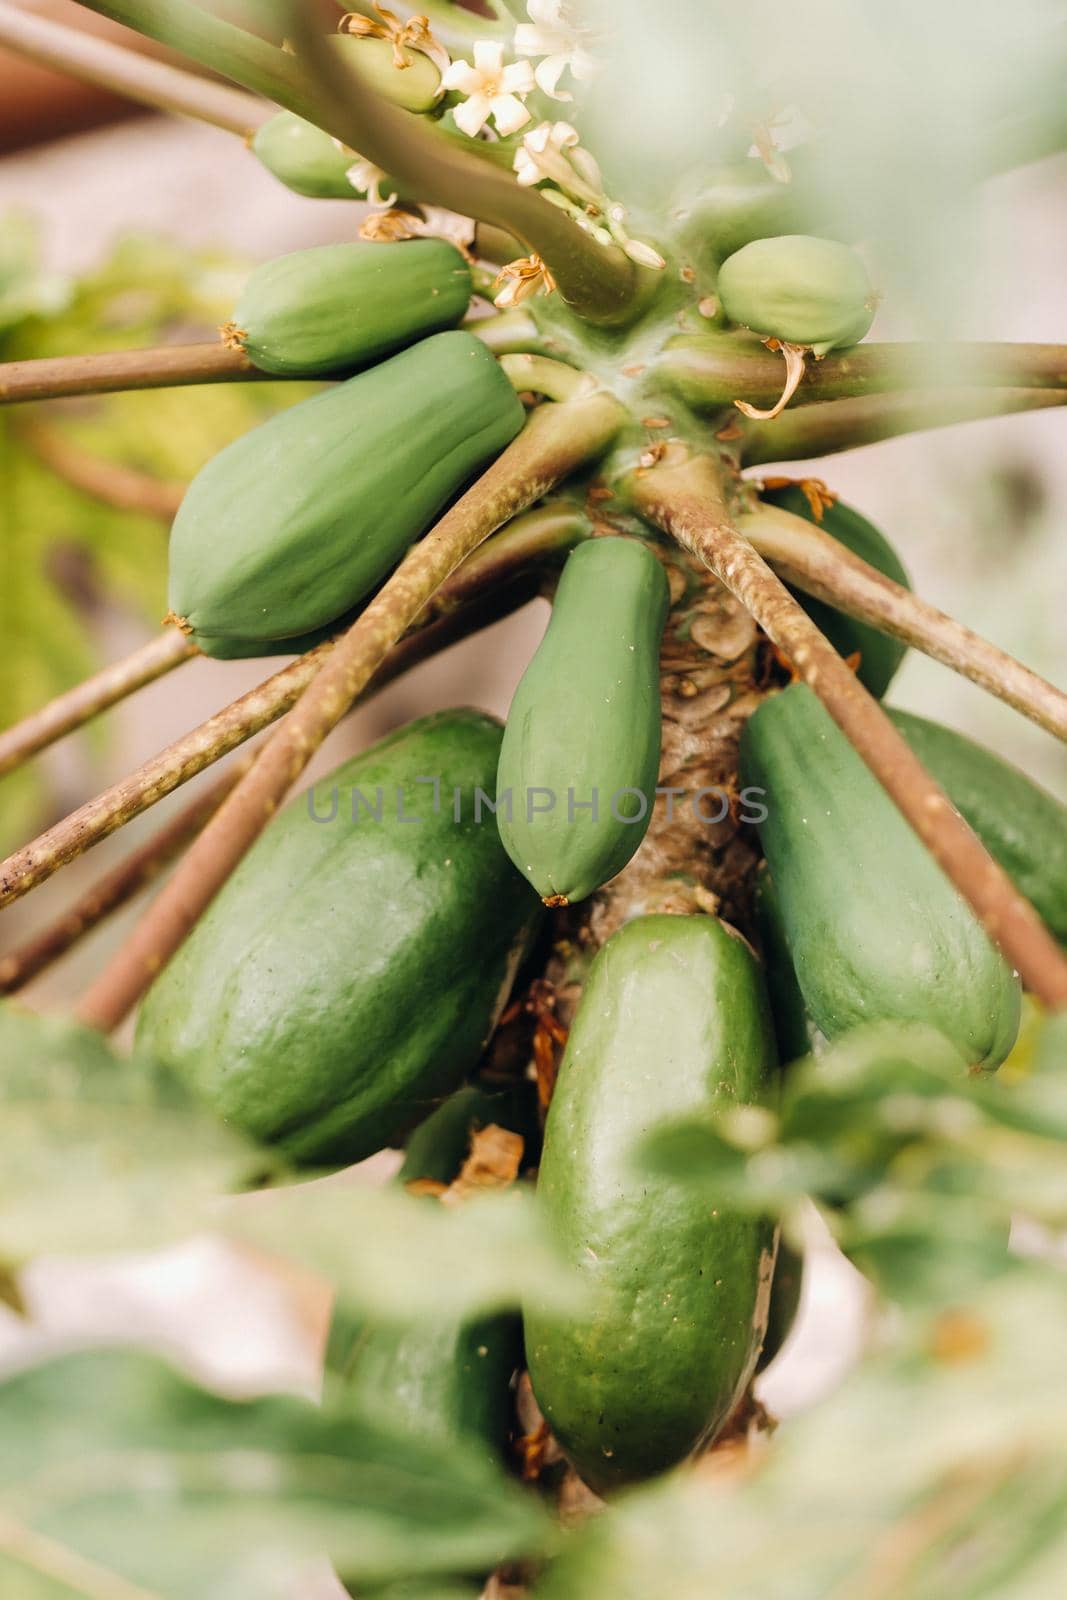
(699, 846)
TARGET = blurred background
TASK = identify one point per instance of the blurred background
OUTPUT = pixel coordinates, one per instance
(975, 511)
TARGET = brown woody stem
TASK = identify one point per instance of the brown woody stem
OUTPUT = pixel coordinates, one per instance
(811, 560)
(686, 501)
(710, 371)
(125, 72)
(168, 367)
(107, 481)
(832, 425)
(68, 711)
(555, 441)
(117, 887)
(36, 862)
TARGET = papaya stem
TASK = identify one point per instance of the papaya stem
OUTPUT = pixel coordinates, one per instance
(127, 73)
(828, 426)
(79, 705)
(165, 367)
(539, 375)
(687, 502)
(555, 440)
(811, 560)
(470, 600)
(113, 484)
(244, 57)
(505, 333)
(117, 887)
(598, 281)
(711, 371)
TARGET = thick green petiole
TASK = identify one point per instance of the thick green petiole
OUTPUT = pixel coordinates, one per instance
(533, 374)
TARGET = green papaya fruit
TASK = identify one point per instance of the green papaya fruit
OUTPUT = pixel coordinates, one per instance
(447, 1378)
(673, 1020)
(305, 158)
(792, 1025)
(288, 527)
(880, 656)
(1022, 826)
(876, 931)
(581, 750)
(415, 87)
(349, 973)
(438, 1147)
(800, 289)
(341, 306)
(786, 1287)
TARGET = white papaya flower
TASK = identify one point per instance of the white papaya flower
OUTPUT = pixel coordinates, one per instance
(551, 152)
(367, 179)
(552, 34)
(492, 90)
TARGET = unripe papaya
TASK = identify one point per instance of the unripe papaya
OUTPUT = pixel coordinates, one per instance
(415, 87)
(877, 932)
(305, 158)
(673, 1021)
(341, 306)
(880, 656)
(1021, 825)
(443, 1377)
(349, 973)
(800, 289)
(290, 526)
(581, 749)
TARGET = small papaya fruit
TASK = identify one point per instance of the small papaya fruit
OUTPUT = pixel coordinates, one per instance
(349, 973)
(800, 289)
(879, 655)
(414, 87)
(876, 931)
(1021, 825)
(445, 1377)
(290, 526)
(673, 1020)
(340, 306)
(580, 756)
(305, 158)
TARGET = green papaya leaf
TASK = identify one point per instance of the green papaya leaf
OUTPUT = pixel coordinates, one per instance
(394, 1256)
(937, 1471)
(100, 1154)
(119, 1478)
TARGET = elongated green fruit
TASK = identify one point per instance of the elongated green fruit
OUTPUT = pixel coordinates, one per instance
(292, 524)
(305, 158)
(876, 931)
(800, 289)
(416, 87)
(1021, 825)
(349, 973)
(880, 656)
(444, 1377)
(340, 306)
(673, 1019)
(581, 749)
